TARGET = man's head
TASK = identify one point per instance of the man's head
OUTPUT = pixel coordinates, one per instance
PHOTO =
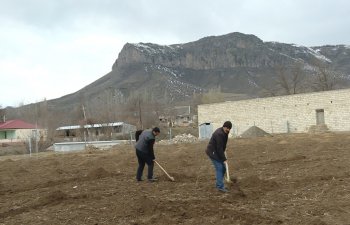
(227, 126)
(156, 131)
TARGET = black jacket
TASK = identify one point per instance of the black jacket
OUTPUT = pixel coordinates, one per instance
(217, 145)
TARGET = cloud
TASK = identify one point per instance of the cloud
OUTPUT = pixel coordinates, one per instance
(52, 48)
(38, 64)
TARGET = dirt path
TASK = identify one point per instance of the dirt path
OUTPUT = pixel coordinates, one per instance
(294, 179)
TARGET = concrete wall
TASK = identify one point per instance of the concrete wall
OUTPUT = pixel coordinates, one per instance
(79, 146)
(283, 114)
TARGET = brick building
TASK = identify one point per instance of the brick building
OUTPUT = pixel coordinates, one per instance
(282, 114)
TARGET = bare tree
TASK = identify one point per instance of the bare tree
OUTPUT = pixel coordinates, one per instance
(282, 79)
(325, 78)
(2, 114)
(104, 108)
(288, 79)
(297, 77)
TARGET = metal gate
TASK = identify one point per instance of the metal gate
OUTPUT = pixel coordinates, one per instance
(205, 130)
(319, 117)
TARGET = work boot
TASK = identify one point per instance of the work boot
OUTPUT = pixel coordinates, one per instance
(153, 179)
(224, 190)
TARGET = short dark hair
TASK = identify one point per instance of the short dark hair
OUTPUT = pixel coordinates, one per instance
(227, 124)
(156, 129)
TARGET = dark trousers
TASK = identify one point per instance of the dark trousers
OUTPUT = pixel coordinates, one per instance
(143, 158)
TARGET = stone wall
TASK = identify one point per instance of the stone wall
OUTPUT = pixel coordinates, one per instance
(282, 114)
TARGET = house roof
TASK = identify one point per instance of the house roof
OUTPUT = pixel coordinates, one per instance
(16, 124)
(73, 127)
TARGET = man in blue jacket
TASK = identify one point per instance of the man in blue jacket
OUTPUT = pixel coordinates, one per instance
(145, 153)
(216, 152)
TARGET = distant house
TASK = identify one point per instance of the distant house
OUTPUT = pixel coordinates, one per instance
(95, 131)
(18, 130)
(183, 116)
(180, 116)
(166, 121)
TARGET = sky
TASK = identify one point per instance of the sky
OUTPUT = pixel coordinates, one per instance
(51, 48)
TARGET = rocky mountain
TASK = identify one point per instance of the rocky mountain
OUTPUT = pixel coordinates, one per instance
(235, 63)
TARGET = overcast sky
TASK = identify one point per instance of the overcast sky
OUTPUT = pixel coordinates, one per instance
(50, 48)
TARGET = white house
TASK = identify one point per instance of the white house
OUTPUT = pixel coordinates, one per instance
(95, 131)
(18, 130)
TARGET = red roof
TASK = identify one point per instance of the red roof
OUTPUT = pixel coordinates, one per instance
(16, 124)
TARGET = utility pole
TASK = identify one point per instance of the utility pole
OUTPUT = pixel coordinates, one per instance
(36, 137)
(85, 124)
(140, 117)
(84, 113)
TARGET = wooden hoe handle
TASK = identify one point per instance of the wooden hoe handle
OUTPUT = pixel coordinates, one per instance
(170, 177)
(227, 178)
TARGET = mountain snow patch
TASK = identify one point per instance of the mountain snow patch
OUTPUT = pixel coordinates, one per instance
(153, 49)
(315, 53)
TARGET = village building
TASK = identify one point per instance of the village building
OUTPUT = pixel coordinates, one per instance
(19, 131)
(299, 113)
(95, 132)
(178, 116)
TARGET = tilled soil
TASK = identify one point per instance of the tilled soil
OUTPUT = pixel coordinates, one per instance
(284, 179)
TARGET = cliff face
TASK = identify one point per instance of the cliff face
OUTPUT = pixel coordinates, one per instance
(222, 52)
(227, 51)
(236, 63)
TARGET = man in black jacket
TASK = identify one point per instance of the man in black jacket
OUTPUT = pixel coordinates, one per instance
(216, 152)
(145, 152)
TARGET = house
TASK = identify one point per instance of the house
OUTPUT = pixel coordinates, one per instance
(18, 130)
(183, 117)
(299, 113)
(180, 116)
(166, 121)
(96, 132)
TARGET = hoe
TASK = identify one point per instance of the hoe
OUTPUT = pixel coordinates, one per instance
(170, 177)
(227, 177)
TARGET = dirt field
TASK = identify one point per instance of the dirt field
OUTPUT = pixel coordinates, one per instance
(294, 179)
